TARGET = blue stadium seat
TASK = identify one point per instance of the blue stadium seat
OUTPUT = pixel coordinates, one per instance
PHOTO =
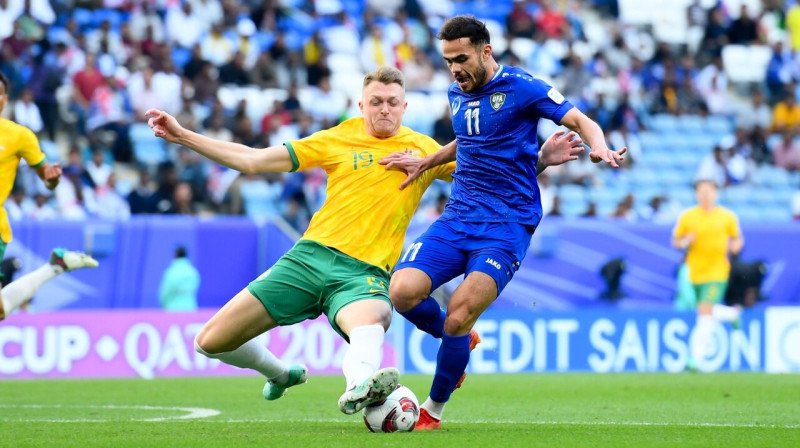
(665, 123)
(572, 193)
(50, 149)
(650, 141)
(83, 17)
(683, 195)
(690, 125)
(718, 125)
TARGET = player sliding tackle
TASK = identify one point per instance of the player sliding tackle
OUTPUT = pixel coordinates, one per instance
(494, 207)
(340, 267)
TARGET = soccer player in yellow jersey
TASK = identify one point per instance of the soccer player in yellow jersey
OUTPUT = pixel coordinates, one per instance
(708, 233)
(340, 267)
(18, 142)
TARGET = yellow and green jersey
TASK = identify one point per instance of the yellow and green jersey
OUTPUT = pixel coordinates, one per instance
(16, 142)
(365, 215)
(707, 256)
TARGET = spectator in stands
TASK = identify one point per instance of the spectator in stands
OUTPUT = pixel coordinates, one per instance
(519, 23)
(716, 33)
(712, 84)
(419, 71)
(85, 83)
(443, 131)
(42, 210)
(376, 50)
(98, 170)
(754, 113)
(179, 284)
(786, 114)
(110, 111)
(625, 209)
(786, 154)
(782, 70)
(295, 214)
(234, 72)
(217, 48)
(184, 27)
(743, 30)
(142, 198)
(714, 167)
(110, 204)
(45, 79)
(74, 198)
(206, 84)
(142, 93)
(327, 107)
(18, 205)
(264, 74)
(550, 20)
(144, 17)
(183, 200)
(661, 210)
(106, 40)
(26, 112)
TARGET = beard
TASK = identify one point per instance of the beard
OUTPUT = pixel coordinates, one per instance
(476, 78)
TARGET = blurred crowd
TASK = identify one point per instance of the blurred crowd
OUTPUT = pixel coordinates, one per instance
(85, 71)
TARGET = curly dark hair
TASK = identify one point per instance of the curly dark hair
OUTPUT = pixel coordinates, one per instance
(464, 26)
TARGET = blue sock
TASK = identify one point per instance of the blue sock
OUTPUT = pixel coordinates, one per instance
(451, 362)
(427, 316)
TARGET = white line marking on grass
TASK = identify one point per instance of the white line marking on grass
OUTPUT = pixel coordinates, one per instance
(191, 413)
(542, 422)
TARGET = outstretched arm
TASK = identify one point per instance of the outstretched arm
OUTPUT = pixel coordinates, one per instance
(591, 133)
(233, 155)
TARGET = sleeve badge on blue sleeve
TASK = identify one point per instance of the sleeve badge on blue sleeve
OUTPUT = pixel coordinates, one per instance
(555, 95)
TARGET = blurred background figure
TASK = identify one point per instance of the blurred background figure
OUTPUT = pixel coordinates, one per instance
(179, 284)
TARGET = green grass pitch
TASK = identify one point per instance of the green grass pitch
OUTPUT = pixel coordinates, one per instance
(547, 410)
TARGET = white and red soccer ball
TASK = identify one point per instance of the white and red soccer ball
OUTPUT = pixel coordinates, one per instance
(399, 412)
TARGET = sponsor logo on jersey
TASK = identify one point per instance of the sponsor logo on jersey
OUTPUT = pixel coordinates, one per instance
(473, 103)
(456, 105)
(493, 263)
(555, 95)
(497, 100)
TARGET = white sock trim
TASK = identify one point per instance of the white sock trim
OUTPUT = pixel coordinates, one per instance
(434, 408)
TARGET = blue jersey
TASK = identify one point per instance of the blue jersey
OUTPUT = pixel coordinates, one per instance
(496, 132)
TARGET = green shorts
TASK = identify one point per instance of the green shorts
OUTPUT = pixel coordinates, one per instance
(312, 279)
(710, 292)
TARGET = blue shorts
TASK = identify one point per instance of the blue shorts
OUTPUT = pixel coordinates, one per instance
(449, 248)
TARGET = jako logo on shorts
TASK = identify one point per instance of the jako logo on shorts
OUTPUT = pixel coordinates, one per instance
(493, 263)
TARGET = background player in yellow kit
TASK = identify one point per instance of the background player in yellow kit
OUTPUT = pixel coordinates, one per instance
(340, 267)
(708, 233)
(18, 142)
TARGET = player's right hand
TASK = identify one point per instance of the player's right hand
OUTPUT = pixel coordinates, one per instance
(163, 125)
(405, 162)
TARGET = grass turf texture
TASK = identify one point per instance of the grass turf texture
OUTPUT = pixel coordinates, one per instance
(569, 410)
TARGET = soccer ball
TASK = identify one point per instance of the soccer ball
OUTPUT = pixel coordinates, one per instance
(398, 412)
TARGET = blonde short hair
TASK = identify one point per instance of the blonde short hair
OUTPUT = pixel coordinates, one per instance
(386, 75)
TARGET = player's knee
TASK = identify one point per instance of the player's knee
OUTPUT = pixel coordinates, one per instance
(205, 344)
(459, 320)
(404, 294)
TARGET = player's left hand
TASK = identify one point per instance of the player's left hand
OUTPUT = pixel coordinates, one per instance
(606, 155)
(561, 147)
(52, 174)
(405, 162)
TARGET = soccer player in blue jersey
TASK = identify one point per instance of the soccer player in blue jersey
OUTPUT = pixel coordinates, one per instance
(494, 206)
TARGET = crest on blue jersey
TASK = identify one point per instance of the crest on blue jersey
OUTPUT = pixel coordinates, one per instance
(456, 105)
(497, 100)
